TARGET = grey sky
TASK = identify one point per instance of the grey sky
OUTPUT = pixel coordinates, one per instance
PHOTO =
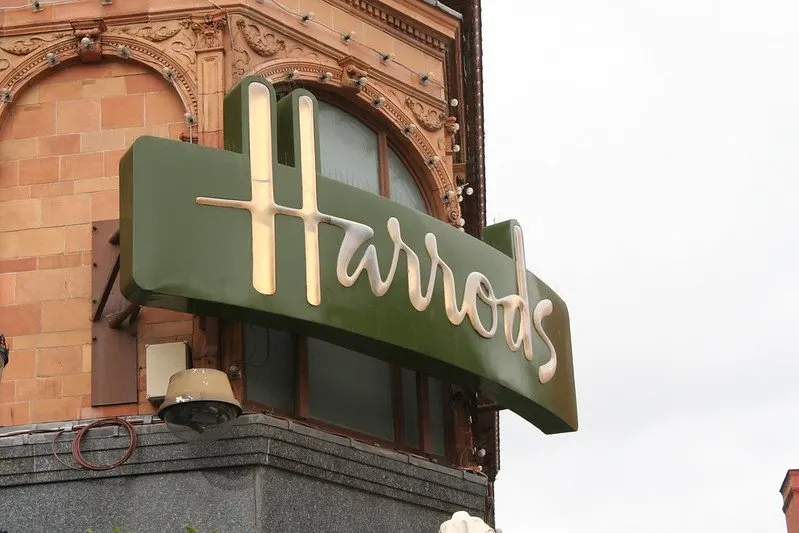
(649, 150)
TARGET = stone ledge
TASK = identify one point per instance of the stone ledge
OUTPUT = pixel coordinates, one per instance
(256, 440)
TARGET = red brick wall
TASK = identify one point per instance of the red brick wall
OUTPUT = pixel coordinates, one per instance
(59, 154)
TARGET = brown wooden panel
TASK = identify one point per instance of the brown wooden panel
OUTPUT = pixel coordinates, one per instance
(398, 405)
(424, 413)
(382, 152)
(114, 361)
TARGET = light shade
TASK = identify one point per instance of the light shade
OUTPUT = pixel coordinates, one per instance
(199, 404)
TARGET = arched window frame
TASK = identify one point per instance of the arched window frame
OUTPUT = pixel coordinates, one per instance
(387, 137)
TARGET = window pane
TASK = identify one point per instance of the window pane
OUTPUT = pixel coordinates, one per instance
(435, 394)
(348, 149)
(410, 404)
(269, 365)
(402, 185)
(349, 389)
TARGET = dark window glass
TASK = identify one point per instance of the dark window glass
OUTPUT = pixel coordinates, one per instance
(349, 389)
(269, 362)
(436, 396)
(402, 185)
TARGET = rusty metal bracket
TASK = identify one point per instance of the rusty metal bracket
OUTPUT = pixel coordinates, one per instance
(114, 356)
(489, 407)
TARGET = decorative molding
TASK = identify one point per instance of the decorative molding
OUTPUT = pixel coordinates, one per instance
(23, 47)
(21, 65)
(353, 70)
(258, 40)
(459, 172)
(154, 33)
(262, 43)
(159, 58)
(438, 178)
(147, 44)
(93, 30)
(400, 23)
(430, 119)
(209, 31)
(174, 39)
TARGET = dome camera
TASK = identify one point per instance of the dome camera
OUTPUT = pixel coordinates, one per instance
(199, 405)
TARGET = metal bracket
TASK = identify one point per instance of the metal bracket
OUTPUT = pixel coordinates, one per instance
(114, 355)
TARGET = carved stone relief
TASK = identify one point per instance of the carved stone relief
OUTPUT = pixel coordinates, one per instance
(209, 31)
(250, 38)
(175, 35)
(154, 33)
(167, 47)
(430, 119)
(13, 49)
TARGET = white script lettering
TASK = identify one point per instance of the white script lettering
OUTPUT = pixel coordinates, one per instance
(263, 210)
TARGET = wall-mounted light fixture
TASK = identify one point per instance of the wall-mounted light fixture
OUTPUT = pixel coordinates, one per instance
(199, 404)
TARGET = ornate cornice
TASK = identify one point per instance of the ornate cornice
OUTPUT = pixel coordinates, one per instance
(401, 23)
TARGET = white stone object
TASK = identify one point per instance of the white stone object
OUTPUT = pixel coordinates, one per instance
(461, 522)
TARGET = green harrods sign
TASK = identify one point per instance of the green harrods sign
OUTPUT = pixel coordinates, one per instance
(254, 233)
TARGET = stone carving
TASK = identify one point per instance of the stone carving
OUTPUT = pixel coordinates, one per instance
(170, 45)
(300, 52)
(257, 40)
(177, 35)
(353, 76)
(154, 33)
(23, 47)
(209, 31)
(263, 44)
(18, 49)
(430, 119)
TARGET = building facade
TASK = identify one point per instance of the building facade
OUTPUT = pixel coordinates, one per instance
(332, 439)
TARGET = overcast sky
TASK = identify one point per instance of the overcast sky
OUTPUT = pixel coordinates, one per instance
(650, 150)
